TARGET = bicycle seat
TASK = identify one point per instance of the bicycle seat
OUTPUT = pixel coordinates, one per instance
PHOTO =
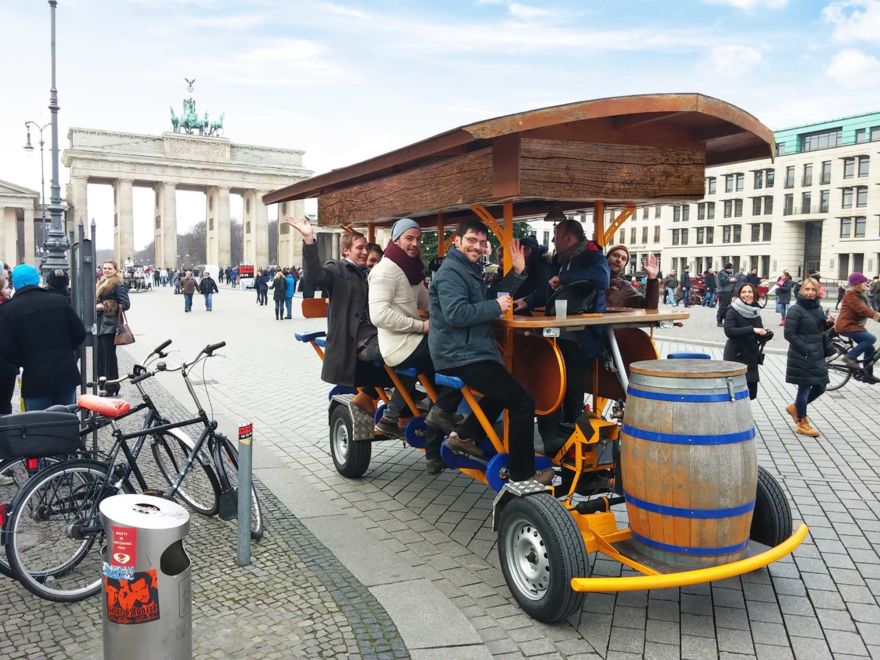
(104, 405)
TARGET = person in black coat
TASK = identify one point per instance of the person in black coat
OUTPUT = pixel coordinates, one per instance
(111, 298)
(41, 333)
(805, 325)
(784, 286)
(279, 284)
(745, 333)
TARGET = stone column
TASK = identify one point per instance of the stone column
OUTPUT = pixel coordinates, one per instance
(8, 235)
(29, 256)
(166, 224)
(289, 240)
(219, 250)
(79, 201)
(123, 221)
(256, 229)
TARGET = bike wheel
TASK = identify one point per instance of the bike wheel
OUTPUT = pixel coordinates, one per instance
(18, 470)
(838, 373)
(54, 533)
(199, 488)
(229, 465)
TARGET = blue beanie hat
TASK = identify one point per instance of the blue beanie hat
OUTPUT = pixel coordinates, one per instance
(401, 226)
(24, 275)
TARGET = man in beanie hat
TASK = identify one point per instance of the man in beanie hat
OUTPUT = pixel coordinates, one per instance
(724, 283)
(620, 292)
(41, 333)
(854, 313)
(397, 295)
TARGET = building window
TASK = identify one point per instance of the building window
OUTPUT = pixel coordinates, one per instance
(710, 234)
(710, 211)
(676, 213)
(756, 206)
(737, 208)
(725, 234)
(729, 180)
(759, 179)
(632, 235)
(769, 178)
(710, 185)
(864, 162)
(701, 235)
(622, 236)
(684, 236)
(740, 182)
(728, 208)
(737, 233)
(788, 204)
(789, 176)
(860, 222)
(701, 211)
(824, 199)
(756, 233)
(685, 212)
(644, 234)
(546, 238)
(849, 168)
(645, 213)
(825, 178)
(675, 236)
(768, 205)
(861, 135)
(780, 148)
(656, 233)
(808, 175)
(845, 227)
(847, 198)
(806, 200)
(656, 211)
(768, 231)
(875, 133)
(861, 196)
(820, 140)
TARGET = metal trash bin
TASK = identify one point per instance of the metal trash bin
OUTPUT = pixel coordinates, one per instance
(147, 596)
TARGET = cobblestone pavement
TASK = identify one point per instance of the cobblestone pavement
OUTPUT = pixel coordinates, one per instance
(294, 600)
(822, 602)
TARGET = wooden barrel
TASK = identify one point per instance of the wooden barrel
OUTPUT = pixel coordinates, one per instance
(688, 460)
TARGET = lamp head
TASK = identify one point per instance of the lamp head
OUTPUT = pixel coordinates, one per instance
(28, 146)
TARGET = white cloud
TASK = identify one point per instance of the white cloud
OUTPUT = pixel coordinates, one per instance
(345, 11)
(527, 11)
(854, 69)
(749, 5)
(731, 61)
(854, 20)
(232, 22)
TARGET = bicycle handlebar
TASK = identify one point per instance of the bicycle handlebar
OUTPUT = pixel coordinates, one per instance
(143, 376)
(210, 348)
(161, 347)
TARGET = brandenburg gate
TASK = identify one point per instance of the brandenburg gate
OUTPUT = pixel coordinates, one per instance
(182, 161)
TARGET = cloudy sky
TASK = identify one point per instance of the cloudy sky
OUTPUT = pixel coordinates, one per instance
(348, 80)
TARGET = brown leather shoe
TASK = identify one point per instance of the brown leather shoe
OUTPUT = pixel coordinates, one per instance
(804, 428)
(791, 409)
(365, 403)
(545, 476)
(461, 445)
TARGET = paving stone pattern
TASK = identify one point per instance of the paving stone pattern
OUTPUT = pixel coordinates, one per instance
(294, 600)
(821, 602)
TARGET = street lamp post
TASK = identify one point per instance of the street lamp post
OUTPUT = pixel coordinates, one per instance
(56, 243)
(29, 147)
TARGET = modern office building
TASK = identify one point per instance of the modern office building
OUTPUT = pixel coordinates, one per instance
(816, 208)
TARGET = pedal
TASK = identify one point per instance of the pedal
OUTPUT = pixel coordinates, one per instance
(228, 504)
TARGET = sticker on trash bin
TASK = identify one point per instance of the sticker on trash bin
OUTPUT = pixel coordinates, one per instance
(124, 546)
(118, 572)
(135, 600)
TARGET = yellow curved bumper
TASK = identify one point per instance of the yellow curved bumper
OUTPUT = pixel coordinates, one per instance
(698, 576)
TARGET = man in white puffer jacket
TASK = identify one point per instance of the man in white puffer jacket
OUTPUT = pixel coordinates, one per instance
(397, 294)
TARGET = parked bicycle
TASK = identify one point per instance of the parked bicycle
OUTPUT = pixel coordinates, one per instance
(54, 533)
(839, 373)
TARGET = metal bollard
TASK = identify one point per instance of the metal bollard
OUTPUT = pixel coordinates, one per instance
(245, 441)
(147, 600)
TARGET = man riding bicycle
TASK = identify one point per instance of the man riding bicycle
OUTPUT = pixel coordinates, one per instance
(854, 312)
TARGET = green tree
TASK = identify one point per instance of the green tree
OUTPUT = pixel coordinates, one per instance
(429, 240)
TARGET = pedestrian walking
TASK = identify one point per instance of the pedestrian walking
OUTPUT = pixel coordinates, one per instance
(175, 280)
(41, 333)
(188, 288)
(208, 287)
(724, 284)
(745, 333)
(874, 293)
(805, 326)
(279, 286)
(111, 297)
(783, 295)
(686, 286)
(670, 283)
(841, 292)
(289, 289)
(261, 284)
(711, 285)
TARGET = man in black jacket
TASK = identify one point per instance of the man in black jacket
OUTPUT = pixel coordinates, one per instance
(208, 287)
(40, 333)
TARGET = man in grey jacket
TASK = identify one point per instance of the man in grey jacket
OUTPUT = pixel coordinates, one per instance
(463, 345)
(726, 282)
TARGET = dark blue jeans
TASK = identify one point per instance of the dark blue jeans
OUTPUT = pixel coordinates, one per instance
(64, 398)
(864, 341)
(187, 302)
(807, 394)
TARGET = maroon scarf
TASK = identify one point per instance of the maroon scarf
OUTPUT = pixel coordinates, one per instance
(414, 269)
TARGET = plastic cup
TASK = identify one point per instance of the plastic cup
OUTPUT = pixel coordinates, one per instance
(561, 307)
(502, 294)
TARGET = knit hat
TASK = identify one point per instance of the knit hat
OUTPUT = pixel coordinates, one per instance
(623, 248)
(401, 226)
(856, 278)
(24, 275)
(529, 242)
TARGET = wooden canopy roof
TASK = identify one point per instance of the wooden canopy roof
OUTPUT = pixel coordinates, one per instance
(622, 150)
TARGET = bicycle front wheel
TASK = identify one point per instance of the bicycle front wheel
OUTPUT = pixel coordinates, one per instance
(54, 533)
(199, 488)
(229, 465)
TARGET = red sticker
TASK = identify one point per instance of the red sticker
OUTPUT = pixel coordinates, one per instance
(133, 601)
(124, 548)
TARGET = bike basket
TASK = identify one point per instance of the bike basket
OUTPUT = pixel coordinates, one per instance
(38, 433)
